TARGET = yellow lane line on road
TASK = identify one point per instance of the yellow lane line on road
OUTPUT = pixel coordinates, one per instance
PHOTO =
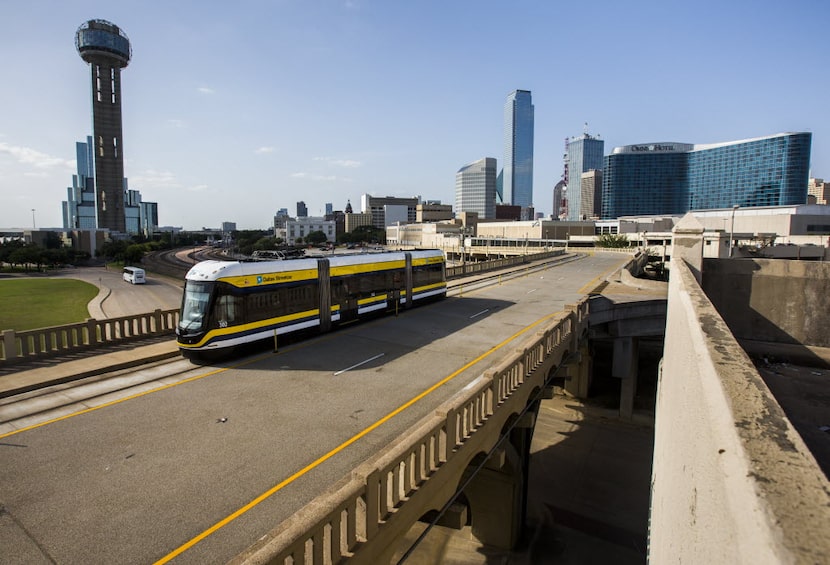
(276, 488)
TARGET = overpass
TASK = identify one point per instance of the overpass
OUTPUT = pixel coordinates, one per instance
(154, 453)
(478, 438)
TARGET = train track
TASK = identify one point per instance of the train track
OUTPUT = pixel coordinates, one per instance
(176, 262)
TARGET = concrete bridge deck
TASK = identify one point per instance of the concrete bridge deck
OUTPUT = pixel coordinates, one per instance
(136, 355)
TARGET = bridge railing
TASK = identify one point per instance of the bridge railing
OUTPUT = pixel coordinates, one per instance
(17, 347)
(364, 515)
(474, 267)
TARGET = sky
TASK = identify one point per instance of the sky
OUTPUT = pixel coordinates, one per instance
(233, 110)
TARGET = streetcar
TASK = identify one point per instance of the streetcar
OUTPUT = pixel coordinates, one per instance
(230, 303)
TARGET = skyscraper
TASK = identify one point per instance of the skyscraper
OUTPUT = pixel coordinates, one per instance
(475, 188)
(584, 154)
(79, 207)
(107, 50)
(517, 174)
(590, 195)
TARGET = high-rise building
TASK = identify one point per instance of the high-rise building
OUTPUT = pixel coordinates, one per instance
(559, 204)
(674, 178)
(517, 172)
(475, 188)
(329, 208)
(302, 209)
(584, 154)
(79, 207)
(819, 190)
(106, 48)
(590, 199)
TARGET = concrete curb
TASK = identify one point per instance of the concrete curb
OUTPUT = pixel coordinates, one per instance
(33, 379)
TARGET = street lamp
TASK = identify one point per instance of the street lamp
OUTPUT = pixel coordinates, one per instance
(732, 230)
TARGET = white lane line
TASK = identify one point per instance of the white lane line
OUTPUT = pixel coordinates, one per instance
(480, 313)
(359, 364)
(532, 290)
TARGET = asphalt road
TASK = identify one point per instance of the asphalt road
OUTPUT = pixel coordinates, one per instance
(198, 471)
(118, 298)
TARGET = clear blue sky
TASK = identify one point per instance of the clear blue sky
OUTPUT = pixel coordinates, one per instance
(233, 110)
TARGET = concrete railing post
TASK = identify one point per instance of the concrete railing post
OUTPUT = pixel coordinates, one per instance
(91, 332)
(9, 345)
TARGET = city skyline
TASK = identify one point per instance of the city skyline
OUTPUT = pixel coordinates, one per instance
(230, 115)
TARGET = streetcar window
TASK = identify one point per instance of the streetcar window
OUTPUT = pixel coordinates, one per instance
(228, 310)
(428, 274)
(195, 306)
(274, 303)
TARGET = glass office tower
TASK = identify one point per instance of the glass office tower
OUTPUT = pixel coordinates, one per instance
(517, 174)
(585, 154)
(673, 178)
(475, 188)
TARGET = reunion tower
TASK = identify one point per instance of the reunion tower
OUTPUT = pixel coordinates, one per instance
(107, 50)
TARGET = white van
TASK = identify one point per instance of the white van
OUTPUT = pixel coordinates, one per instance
(134, 275)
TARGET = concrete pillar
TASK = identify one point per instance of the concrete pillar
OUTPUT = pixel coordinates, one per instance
(496, 495)
(626, 355)
(579, 372)
(687, 243)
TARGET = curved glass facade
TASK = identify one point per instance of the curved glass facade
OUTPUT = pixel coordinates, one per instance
(673, 178)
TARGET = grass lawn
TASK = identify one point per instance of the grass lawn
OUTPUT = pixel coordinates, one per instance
(27, 304)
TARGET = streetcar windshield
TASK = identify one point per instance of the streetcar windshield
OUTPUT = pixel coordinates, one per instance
(195, 306)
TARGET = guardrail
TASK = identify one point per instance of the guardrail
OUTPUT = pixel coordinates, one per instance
(363, 516)
(17, 347)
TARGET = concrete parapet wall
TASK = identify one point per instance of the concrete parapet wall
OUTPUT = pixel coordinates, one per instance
(771, 300)
(732, 481)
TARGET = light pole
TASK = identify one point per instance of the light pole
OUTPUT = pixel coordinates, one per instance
(732, 230)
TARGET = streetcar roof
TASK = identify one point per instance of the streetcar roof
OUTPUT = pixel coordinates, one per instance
(212, 270)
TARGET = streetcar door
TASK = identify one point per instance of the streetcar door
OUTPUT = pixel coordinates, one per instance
(345, 294)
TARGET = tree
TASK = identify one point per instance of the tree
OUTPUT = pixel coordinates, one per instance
(113, 249)
(134, 253)
(615, 240)
(316, 238)
(369, 233)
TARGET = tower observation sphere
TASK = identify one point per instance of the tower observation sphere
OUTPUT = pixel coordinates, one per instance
(106, 48)
(100, 38)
